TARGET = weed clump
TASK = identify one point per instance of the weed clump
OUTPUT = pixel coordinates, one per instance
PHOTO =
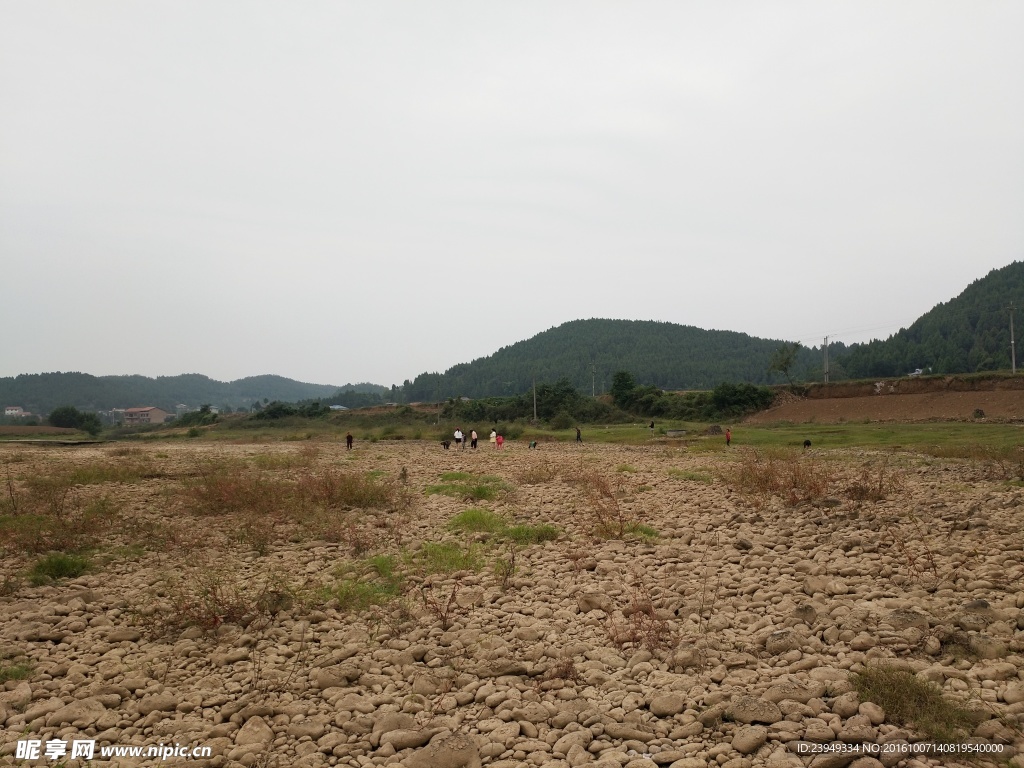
(208, 600)
(485, 521)
(20, 671)
(446, 557)
(374, 582)
(910, 701)
(790, 476)
(51, 513)
(58, 565)
(463, 485)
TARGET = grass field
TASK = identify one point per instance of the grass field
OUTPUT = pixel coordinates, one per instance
(955, 439)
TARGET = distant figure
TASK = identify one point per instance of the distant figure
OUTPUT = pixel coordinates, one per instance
(494, 438)
(458, 437)
(728, 438)
(446, 444)
(499, 441)
(652, 427)
(807, 444)
(472, 436)
(533, 444)
(579, 437)
(348, 441)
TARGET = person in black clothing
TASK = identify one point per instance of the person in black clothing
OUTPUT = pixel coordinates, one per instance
(348, 440)
(579, 437)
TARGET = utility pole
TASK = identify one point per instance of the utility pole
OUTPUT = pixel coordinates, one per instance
(593, 380)
(534, 399)
(1013, 349)
(825, 350)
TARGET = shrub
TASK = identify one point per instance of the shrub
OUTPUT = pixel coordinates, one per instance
(793, 477)
(58, 566)
(562, 420)
(348, 489)
(68, 416)
(207, 600)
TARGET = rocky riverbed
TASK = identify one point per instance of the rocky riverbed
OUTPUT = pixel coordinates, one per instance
(685, 615)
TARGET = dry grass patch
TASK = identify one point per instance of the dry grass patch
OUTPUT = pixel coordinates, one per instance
(50, 512)
(791, 476)
(603, 512)
(208, 599)
(914, 703)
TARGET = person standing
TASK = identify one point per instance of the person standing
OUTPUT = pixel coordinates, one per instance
(472, 436)
(494, 438)
(458, 438)
(348, 441)
(499, 442)
(579, 436)
(728, 437)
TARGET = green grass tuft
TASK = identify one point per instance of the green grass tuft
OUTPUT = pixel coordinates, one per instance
(58, 566)
(640, 529)
(692, 476)
(15, 672)
(448, 557)
(477, 521)
(531, 534)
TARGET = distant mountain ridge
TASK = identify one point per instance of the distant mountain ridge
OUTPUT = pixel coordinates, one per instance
(589, 352)
(966, 334)
(42, 392)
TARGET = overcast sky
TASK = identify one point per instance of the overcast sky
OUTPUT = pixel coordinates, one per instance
(363, 191)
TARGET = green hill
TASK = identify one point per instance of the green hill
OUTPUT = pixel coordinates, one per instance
(967, 334)
(589, 352)
(42, 392)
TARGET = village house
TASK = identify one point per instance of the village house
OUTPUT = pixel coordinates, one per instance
(15, 411)
(149, 415)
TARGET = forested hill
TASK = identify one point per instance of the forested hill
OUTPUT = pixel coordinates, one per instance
(666, 355)
(42, 392)
(966, 334)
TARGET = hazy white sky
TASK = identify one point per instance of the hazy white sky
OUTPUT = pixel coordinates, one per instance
(349, 191)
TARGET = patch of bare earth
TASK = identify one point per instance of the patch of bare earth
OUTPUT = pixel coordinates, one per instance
(1007, 405)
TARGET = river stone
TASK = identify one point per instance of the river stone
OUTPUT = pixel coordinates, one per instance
(255, 731)
(627, 732)
(667, 704)
(794, 691)
(749, 738)
(581, 738)
(162, 702)
(457, 751)
(905, 618)
(404, 738)
(749, 709)
(594, 601)
(782, 641)
(81, 713)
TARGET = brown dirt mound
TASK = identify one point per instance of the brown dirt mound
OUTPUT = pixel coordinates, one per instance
(1000, 405)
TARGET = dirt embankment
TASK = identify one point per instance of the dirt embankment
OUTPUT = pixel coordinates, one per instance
(909, 399)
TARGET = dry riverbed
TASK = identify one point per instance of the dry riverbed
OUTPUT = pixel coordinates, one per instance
(296, 604)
